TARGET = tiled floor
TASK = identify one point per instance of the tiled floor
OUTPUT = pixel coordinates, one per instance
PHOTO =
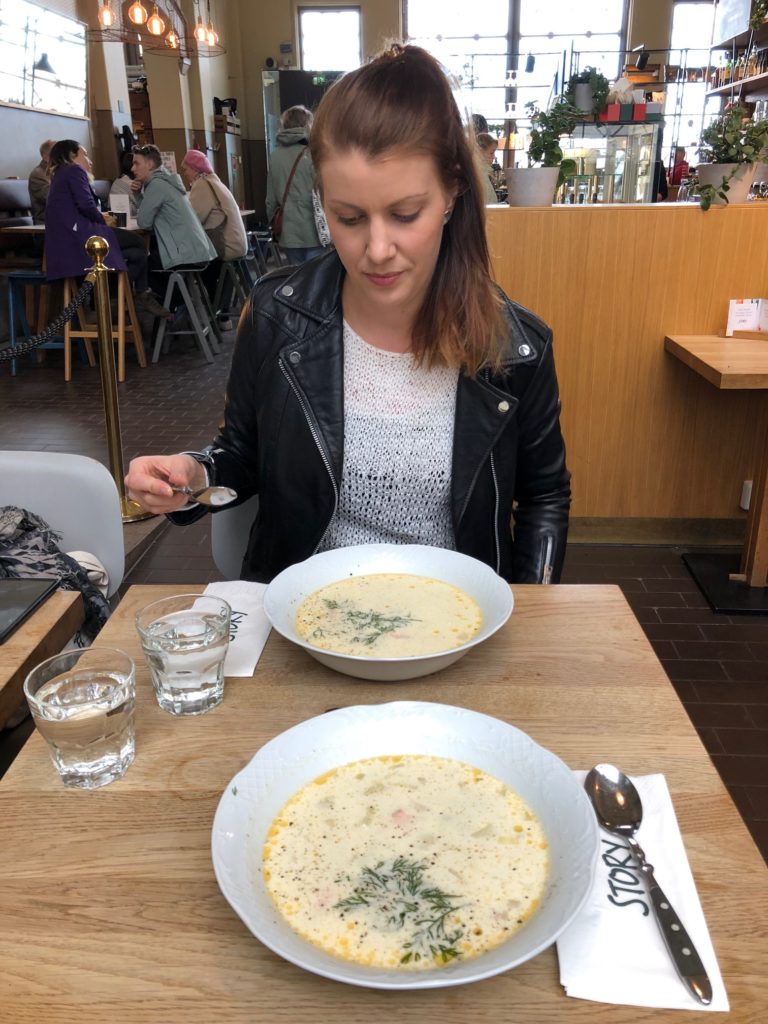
(717, 663)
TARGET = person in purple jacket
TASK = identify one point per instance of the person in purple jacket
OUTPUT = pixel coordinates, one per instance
(72, 215)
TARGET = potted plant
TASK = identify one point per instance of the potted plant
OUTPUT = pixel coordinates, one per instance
(535, 185)
(588, 90)
(729, 147)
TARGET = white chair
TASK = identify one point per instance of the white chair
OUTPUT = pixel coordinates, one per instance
(76, 496)
(230, 530)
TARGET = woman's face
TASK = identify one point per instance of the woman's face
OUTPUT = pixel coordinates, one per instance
(83, 159)
(386, 217)
(189, 174)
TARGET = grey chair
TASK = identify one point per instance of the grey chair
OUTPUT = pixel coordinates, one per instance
(76, 496)
(230, 530)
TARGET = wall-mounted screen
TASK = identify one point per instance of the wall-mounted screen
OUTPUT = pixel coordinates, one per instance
(42, 59)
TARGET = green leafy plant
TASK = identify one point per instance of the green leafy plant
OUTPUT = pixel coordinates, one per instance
(732, 138)
(758, 14)
(547, 127)
(597, 82)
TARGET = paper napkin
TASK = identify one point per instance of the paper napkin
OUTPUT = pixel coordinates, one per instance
(613, 952)
(249, 625)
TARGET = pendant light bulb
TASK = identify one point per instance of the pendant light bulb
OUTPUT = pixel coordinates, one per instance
(137, 13)
(155, 24)
(200, 34)
(106, 15)
(210, 35)
(172, 40)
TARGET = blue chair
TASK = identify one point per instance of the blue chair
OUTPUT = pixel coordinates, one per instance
(18, 324)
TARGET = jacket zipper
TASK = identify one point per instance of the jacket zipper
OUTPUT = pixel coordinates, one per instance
(546, 572)
(496, 515)
(323, 456)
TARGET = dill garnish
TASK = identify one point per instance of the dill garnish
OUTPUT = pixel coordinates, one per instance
(370, 624)
(402, 898)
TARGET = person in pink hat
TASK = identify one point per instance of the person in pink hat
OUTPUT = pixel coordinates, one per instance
(218, 212)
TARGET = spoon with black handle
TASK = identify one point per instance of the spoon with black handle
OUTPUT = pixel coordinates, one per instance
(620, 811)
(211, 496)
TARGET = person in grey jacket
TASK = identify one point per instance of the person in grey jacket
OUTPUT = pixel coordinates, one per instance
(39, 183)
(164, 208)
(388, 392)
(299, 240)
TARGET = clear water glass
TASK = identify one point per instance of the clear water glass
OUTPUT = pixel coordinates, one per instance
(82, 702)
(185, 640)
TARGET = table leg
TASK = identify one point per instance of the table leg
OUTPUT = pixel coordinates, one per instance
(754, 559)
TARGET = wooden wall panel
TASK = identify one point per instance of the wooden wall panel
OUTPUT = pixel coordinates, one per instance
(646, 436)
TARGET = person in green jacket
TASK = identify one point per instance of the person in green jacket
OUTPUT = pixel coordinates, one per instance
(163, 207)
(298, 240)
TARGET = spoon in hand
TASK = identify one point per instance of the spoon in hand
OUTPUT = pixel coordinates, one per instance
(620, 811)
(212, 496)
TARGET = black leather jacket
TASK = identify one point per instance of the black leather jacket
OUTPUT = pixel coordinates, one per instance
(283, 434)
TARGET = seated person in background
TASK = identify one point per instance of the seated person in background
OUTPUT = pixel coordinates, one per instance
(680, 168)
(487, 146)
(72, 215)
(39, 182)
(217, 211)
(122, 185)
(164, 208)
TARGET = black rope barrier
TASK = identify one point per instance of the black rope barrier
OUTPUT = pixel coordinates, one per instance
(53, 328)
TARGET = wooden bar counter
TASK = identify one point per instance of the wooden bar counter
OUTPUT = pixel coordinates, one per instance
(646, 438)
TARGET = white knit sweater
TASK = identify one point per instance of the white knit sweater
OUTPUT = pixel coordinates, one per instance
(398, 441)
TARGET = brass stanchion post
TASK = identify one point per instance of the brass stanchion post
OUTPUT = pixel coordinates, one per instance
(98, 249)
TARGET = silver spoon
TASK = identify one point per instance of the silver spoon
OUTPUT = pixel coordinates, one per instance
(213, 496)
(620, 811)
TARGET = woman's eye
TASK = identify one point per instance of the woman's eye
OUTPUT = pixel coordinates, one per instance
(348, 221)
(406, 218)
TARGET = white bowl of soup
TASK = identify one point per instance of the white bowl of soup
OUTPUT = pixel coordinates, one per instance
(453, 848)
(388, 612)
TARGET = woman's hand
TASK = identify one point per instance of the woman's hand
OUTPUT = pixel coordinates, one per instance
(109, 219)
(151, 478)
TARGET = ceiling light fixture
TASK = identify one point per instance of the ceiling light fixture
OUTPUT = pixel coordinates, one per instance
(106, 15)
(155, 24)
(137, 12)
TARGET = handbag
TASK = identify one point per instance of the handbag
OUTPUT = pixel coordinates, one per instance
(276, 223)
(217, 234)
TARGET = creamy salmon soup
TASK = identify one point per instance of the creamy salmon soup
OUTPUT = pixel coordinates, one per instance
(388, 615)
(406, 861)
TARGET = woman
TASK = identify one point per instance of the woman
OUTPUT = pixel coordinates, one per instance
(122, 186)
(488, 146)
(215, 206)
(389, 391)
(72, 215)
(298, 239)
(219, 214)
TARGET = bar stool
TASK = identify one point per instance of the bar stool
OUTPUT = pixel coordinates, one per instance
(193, 297)
(236, 273)
(120, 330)
(19, 283)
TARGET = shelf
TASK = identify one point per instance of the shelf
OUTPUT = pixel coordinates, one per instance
(723, 90)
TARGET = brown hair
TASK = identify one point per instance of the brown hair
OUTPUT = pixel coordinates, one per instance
(486, 142)
(151, 152)
(63, 152)
(402, 100)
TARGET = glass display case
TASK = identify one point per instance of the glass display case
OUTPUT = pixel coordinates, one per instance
(614, 163)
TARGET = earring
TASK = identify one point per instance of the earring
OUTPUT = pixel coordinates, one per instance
(447, 215)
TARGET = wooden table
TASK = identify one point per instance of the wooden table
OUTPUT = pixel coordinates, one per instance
(40, 636)
(734, 364)
(109, 910)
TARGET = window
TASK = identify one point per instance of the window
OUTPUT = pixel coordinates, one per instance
(42, 59)
(494, 45)
(330, 38)
(686, 107)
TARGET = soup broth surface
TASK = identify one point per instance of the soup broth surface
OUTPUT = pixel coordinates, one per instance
(407, 862)
(388, 615)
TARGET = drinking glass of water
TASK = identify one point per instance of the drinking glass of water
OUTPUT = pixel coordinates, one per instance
(82, 702)
(185, 640)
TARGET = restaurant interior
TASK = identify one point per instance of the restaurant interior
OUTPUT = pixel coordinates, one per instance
(652, 650)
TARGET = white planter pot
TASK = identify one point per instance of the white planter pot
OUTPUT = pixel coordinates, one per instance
(738, 186)
(531, 186)
(582, 97)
